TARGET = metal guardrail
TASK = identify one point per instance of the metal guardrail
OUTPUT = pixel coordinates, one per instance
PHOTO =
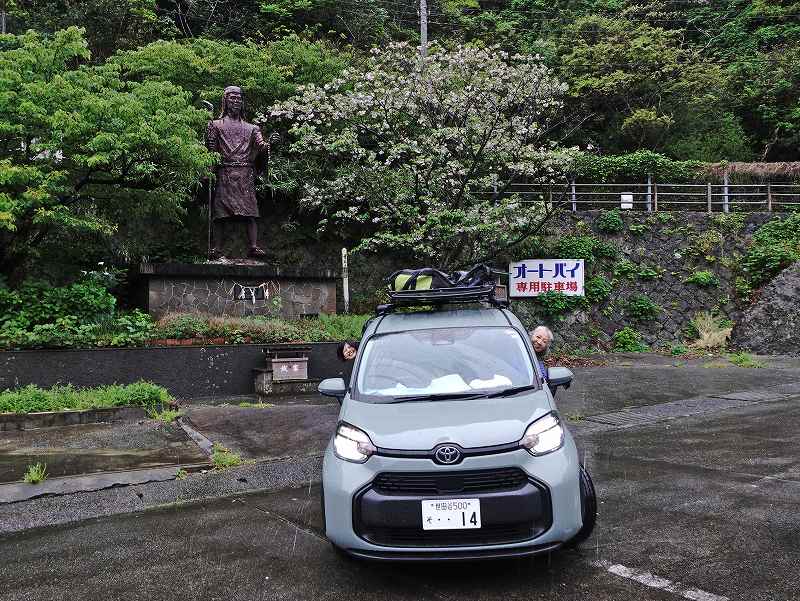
(664, 196)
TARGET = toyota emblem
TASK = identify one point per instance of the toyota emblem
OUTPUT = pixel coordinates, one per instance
(447, 454)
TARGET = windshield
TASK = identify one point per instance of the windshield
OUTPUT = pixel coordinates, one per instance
(443, 362)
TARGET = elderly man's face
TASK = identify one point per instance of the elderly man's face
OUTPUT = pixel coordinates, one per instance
(349, 352)
(540, 341)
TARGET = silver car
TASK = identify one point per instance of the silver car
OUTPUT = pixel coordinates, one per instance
(449, 444)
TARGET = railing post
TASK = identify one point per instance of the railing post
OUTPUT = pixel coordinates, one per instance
(649, 192)
(725, 182)
(574, 198)
(708, 196)
(769, 197)
(655, 196)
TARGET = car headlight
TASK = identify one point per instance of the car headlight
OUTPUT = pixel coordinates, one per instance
(543, 436)
(352, 444)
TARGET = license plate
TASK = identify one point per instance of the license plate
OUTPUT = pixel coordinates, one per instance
(451, 514)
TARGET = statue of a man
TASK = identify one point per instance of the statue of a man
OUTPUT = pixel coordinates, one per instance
(241, 146)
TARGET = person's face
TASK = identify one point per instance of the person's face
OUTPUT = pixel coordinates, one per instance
(233, 101)
(349, 352)
(540, 341)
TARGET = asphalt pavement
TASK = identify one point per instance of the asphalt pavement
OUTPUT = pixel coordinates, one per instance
(702, 507)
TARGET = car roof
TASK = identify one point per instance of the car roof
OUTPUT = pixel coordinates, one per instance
(442, 318)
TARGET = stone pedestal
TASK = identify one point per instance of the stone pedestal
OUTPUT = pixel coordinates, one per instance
(237, 289)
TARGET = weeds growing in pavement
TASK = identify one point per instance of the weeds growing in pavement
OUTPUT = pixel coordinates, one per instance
(743, 359)
(36, 473)
(222, 458)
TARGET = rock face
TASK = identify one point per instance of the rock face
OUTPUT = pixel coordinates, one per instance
(772, 324)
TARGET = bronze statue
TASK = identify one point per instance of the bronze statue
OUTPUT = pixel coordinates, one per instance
(243, 150)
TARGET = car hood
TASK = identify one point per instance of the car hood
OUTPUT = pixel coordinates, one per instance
(468, 423)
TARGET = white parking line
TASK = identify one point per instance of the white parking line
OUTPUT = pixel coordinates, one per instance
(654, 581)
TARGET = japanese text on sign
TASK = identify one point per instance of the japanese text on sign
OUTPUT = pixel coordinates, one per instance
(532, 277)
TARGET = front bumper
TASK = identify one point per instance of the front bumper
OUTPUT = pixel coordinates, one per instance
(372, 522)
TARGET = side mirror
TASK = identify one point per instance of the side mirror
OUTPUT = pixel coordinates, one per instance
(559, 376)
(334, 387)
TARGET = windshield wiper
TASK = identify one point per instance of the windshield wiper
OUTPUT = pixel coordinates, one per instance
(439, 397)
(512, 391)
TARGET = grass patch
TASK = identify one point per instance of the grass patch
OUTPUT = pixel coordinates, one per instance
(167, 416)
(222, 458)
(182, 474)
(36, 473)
(574, 417)
(249, 405)
(743, 359)
(712, 332)
(32, 399)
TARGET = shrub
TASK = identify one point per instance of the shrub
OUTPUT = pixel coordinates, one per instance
(610, 222)
(38, 303)
(181, 325)
(631, 270)
(641, 307)
(775, 246)
(556, 304)
(679, 349)
(598, 289)
(32, 399)
(605, 250)
(729, 222)
(628, 340)
(704, 279)
(638, 229)
(706, 242)
(36, 473)
(711, 332)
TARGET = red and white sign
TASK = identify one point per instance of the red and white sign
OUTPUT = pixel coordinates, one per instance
(532, 277)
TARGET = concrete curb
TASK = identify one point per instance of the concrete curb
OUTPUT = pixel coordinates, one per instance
(55, 419)
(19, 491)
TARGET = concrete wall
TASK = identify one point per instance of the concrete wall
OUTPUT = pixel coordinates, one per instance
(191, 371)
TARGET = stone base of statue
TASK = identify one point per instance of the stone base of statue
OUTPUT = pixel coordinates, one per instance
(237, 288)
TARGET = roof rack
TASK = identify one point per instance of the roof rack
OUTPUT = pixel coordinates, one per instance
(442, 296)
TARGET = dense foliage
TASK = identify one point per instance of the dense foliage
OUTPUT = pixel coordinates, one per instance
(30, 399)
(414, 156)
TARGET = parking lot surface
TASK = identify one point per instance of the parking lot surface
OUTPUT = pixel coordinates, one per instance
(701, 507)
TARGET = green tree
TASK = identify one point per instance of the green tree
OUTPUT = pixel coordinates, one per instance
(82, 150)
(109, 24)
(406, 154)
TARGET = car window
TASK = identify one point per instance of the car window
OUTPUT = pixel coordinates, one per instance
(442, 361)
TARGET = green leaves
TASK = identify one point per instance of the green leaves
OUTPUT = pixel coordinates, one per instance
(407, 155)
(83, 149)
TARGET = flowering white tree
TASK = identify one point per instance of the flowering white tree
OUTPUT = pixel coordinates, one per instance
(416, 155)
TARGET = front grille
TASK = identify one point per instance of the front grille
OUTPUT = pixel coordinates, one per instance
(416, 537)
(436, 483)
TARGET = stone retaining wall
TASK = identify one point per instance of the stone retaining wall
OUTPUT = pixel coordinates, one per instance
(675, 245)
(237, 290)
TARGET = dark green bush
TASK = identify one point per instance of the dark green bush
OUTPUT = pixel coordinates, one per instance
(610, 222)
(37, 303)
(598, 289)
(59, 398)
(775, 246)
(628, 340)
(556, 304)
(641, 307)
(703, 279)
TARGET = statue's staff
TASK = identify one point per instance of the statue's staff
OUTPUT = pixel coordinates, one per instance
(210, 108)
